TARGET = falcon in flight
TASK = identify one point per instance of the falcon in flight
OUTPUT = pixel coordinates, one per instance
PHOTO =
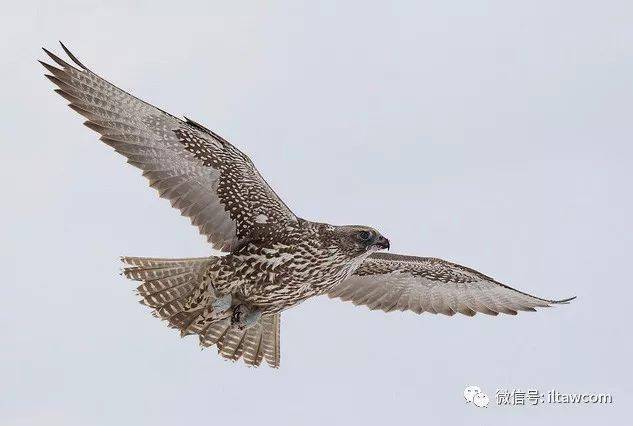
(273, 259)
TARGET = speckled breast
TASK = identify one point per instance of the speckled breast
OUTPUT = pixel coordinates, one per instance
(278, 277)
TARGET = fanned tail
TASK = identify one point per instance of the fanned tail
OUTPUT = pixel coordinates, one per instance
(252, 345)
(166, 286)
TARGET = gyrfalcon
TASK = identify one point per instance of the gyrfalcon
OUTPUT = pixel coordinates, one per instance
(273, 259)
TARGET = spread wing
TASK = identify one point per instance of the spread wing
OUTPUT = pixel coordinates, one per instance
(201, 174)
(425, 284)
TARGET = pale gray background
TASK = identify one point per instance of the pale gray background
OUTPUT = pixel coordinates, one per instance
(493, 133)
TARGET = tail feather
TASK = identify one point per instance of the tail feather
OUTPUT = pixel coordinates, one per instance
(169, 310)
(259, 342)
(214, 333)
(199, 323)
(253, 353)
(231, 347)
(160, 298)
(152, 287)
(154, 262)
(271, 325)
(181, 321)
(138, 273)
(167, 284)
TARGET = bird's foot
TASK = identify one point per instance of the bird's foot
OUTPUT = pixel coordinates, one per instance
(245, 317)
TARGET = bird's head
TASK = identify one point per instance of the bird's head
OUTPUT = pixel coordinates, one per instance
(359, 240)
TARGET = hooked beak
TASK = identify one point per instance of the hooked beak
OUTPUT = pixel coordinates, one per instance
(382, 243)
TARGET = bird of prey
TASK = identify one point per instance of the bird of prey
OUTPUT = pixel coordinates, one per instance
(273, 259)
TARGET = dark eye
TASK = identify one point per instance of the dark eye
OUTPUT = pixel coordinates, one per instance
(364, 235)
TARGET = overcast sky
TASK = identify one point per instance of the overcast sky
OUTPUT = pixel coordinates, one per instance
(496, 134)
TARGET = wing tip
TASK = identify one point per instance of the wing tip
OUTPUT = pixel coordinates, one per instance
(60, 61)
(48, 67)
(73, 57)
(563, 301)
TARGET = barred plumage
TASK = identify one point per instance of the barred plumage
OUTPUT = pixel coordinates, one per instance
(274, 259)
